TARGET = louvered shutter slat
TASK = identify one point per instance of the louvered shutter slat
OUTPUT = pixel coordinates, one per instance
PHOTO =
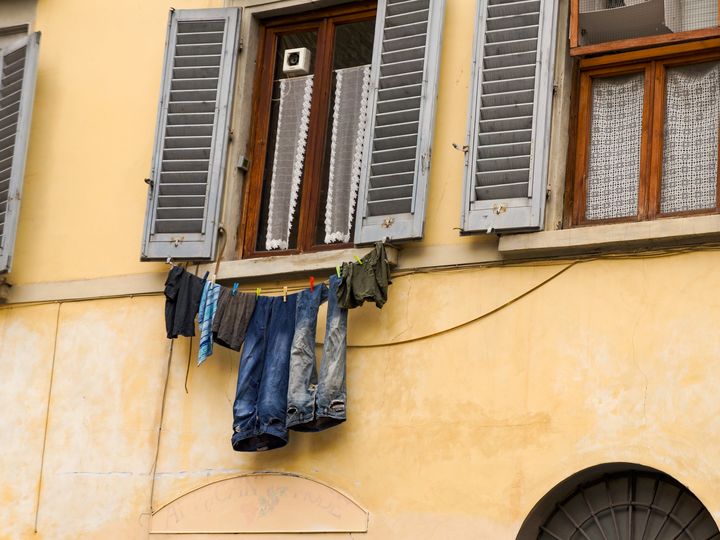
(192, 134)
(17, 92)
(391, 201)
(510, 111)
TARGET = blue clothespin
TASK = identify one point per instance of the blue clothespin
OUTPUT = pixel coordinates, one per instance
(234, 289)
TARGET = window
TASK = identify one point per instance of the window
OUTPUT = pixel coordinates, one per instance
(647, 138)
(309, 131)
(648, 110)
(639, 503)
(610, 25)
(340, 143)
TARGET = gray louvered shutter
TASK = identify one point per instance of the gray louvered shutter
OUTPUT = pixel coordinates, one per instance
(509, 120)
(18, 69)
(396, 160)
(191, 138)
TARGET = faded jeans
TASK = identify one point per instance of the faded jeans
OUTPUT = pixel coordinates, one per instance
(262, 386)
(315, 404)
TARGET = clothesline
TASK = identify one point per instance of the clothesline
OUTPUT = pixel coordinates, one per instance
(279, 387)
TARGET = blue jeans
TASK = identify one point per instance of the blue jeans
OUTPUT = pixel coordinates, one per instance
(261, 396)
(313, 403)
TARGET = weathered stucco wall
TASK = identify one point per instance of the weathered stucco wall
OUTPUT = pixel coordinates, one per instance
(454, 436)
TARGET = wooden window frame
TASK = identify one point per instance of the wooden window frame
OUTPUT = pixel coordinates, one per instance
(324, 22)
(651, 153)
(633, 43)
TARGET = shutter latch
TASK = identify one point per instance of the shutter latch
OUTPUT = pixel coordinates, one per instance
(387, 223)
(150, 183)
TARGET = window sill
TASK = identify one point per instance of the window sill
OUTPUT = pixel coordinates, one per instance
(646, 234)
(291, 265)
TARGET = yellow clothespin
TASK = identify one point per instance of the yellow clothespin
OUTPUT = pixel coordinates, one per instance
(358, 259)
(257, 291)
(285, 293)
(337, 270)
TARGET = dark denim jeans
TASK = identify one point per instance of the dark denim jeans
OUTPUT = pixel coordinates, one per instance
(313, 403)
(261, 396)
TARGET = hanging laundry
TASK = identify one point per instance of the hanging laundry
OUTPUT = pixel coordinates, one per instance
(206, 314)
(261, 396)
(182, 298)
(232, 318)
(367, 279)
(315, 404)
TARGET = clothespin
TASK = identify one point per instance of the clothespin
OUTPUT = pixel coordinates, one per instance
(212, 278)
(312, 283)
(257, 291)
(358, 259)
(337, 270)
(169, 261)
(285, 293)
(234, 289)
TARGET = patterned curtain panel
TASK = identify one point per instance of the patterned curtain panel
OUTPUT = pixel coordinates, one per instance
(287, 169)
(690, 153)
(615, 137)
(349, 117)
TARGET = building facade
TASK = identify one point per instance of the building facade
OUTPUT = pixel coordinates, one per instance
(544, 175)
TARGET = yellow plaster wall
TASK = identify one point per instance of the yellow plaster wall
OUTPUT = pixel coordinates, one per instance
(453, 436)
(91, 138)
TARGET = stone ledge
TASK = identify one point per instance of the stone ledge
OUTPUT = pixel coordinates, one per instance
(276, 266)
(666, 232)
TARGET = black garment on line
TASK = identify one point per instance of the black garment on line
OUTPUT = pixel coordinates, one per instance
(232, 318)
(182, 300)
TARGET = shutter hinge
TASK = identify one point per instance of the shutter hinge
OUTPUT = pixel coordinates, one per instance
(243, 163)
(425, 161)
(240, 45)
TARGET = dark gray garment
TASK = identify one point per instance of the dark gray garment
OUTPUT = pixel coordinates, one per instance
(232, 318)
(182, 299)
(368, 280)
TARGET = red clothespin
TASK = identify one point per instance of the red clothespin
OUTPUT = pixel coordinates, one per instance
(312, 283)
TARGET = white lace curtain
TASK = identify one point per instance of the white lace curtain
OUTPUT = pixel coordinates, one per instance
(289, 158)
(690, 153)
(349, 117)
(615, 137)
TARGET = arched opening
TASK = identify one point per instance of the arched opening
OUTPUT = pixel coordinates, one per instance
(619, 501)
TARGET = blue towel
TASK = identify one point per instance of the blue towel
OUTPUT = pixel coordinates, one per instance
(206, 314)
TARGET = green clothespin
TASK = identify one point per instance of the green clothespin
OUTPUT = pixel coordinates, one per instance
(257, 291)
(337, 270)
(358, 259)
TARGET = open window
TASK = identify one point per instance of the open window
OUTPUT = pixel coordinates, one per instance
(341, 129)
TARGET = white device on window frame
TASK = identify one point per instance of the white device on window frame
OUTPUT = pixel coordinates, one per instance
(296, 61)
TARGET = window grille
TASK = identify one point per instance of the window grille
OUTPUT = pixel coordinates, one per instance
(631, 505)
